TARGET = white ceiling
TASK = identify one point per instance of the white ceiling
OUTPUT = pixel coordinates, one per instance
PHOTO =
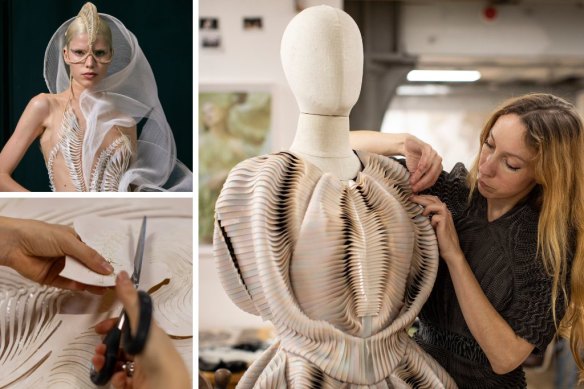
(538, 42)
(512, 70)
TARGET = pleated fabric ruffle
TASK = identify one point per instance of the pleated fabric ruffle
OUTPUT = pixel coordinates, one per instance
(341, 269)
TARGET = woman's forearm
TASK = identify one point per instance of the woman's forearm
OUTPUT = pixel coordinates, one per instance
(162, 362)
(378, 142)
(7, 184)
(504, 349)
(6, 235)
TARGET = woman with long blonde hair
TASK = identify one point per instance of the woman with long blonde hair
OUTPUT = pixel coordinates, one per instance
(511, 237)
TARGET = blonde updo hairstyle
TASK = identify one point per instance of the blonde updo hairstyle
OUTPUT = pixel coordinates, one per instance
(88, 22)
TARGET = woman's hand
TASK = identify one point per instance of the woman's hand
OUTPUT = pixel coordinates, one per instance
(441, 220)
(423, 163)
(37, 251)
(504, 349)
(159, 365)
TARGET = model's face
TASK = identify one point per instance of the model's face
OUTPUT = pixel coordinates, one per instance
(88, 65)
(506, 164)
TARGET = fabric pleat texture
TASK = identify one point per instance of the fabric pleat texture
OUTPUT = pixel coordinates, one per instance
(28, 321)
(341, 269)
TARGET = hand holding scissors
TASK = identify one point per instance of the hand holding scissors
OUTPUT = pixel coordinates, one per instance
(158, 365)
(133, 344)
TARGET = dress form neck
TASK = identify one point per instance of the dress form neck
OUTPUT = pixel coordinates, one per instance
(324, 142)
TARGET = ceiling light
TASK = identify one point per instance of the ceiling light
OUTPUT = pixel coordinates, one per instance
(422, 90)
(444, 75)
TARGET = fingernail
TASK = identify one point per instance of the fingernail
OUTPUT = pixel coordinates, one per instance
(123, 277)
(107, 266)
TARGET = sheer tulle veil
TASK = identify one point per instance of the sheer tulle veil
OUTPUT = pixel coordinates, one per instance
(126, 96)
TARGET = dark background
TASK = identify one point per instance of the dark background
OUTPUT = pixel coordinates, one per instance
(165, 34)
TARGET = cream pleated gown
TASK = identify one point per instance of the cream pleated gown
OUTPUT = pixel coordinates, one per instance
(341, 269)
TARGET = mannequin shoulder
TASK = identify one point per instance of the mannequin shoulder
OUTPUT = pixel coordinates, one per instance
(384, 162)
(271, 168)
(251, 179)
(278, 161)
(388, 170)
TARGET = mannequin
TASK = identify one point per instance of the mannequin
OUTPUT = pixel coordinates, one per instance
(325, 94)
(322, 241)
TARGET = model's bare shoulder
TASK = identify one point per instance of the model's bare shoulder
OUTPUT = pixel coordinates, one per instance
(41, 103)
(47, 107)
(39, 109)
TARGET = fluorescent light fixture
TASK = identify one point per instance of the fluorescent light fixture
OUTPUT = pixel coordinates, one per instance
(422, 90)
(444, 75)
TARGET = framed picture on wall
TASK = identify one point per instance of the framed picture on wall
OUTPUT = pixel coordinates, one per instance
(253, 23)
(210, 37)
(208, 24)
(213, 42)
(234, 125)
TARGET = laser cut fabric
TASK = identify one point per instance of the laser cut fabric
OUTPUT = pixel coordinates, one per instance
(341, 269)
(46, 334)
(115, 240)
(110, 164)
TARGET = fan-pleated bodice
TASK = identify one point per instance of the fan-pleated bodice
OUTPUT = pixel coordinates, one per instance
(341, 269)
(67, 153)
(352, 256)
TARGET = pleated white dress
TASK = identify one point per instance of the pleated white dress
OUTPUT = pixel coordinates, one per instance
(341, 269)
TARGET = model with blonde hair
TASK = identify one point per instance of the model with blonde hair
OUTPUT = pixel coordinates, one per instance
(511, 238)
(101, 86)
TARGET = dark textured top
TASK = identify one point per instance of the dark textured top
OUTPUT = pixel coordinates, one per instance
(502, 255)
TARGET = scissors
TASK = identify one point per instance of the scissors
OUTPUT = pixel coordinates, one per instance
(132, 344)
